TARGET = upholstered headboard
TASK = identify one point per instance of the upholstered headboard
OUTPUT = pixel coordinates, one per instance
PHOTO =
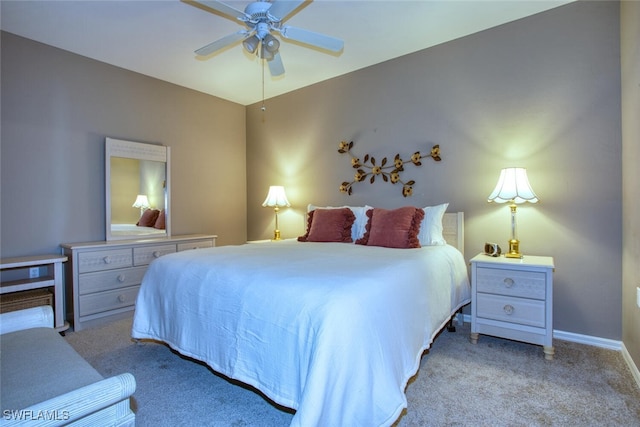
(453, 229)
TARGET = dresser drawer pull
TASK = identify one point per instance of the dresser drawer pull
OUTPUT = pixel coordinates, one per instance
(121, 278)
(121, 298)
(508, 309)
(508, 282)
(156, 254)
(107, 259)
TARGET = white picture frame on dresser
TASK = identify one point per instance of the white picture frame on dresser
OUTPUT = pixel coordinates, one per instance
(102, 279)
(513, 298)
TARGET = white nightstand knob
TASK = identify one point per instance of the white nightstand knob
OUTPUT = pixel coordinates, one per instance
(107, 259)
(121, 278)
(156, 254)
(121, 298)
(508, 282)
(508, 309)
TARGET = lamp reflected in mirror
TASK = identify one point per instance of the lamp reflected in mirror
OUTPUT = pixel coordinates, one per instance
(142, 202)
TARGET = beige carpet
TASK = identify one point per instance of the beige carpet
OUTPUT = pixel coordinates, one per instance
(494, 383)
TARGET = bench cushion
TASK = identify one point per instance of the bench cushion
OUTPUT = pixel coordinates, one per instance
(37, 365)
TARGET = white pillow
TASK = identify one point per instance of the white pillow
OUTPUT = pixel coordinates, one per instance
(431, 227)
(358, 227)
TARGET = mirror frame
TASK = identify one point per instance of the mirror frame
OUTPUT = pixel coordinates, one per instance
(140, 151)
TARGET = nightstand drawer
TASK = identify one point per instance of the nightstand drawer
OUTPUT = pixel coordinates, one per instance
(527, 284)
(109, 280)
(514, 310)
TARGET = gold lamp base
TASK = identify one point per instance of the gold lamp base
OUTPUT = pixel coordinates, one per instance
(276, 235)
(514, 249)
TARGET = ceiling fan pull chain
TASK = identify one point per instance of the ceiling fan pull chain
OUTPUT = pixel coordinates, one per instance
(263, 61)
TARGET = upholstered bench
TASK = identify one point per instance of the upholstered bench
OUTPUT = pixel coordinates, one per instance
(44, 381)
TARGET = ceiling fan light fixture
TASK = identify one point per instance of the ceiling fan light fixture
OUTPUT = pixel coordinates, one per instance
(271, 43)
(265, 53)
(251, 43)
(262, 18)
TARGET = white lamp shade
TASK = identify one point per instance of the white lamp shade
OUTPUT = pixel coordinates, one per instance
(141, 202)
(276, 197)
(513, 186)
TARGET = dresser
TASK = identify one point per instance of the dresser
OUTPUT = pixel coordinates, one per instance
(103, 278)
(513, 298)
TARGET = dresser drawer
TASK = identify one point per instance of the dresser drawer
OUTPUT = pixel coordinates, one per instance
(527, 284)
(104, 260)
(196, 244)
(144, 255)
(111, 279)
(109, 300)
(508, 309)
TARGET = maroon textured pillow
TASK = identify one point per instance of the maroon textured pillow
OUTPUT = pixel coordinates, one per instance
(329, 225)
(148, 218)
(397, 228)
(161, 222)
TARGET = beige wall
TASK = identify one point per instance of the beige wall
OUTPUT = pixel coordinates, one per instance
(542, 93)
(630, 52)
(57, 109)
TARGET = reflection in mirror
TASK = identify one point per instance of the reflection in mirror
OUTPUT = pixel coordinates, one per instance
(137, 190)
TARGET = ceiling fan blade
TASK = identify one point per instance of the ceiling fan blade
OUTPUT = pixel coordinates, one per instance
(275, 65)
(314, 39)
(281, 8)
(222, 43)
(225, 9)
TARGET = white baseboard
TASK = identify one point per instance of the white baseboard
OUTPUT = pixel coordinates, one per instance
(568, 336)
(588, 340)
(632, 366)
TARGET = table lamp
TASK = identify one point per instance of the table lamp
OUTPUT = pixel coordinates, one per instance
(513, 187)
(276, 198)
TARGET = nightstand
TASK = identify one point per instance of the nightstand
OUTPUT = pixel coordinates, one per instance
(513, 298)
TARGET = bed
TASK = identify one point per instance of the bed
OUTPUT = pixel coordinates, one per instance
(135, 230)
(331, 330)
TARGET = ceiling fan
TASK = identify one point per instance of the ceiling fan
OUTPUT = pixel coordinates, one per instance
(262, 18)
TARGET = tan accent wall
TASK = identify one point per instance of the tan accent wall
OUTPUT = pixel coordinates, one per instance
(542, 93)
(630, 54)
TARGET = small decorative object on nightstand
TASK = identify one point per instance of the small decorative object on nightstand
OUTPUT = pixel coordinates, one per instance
(513, 298)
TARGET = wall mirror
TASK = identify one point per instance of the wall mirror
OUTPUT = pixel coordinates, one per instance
(136, 181)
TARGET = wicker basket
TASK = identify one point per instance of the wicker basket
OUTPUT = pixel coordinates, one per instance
(25, 299)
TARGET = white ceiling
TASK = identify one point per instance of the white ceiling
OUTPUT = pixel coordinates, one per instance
(158, 38)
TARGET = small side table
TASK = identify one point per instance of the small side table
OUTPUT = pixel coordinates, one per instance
(513, 298)
(16, 272)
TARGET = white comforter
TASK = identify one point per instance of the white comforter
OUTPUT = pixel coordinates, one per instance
(134, 230)
(332, 330)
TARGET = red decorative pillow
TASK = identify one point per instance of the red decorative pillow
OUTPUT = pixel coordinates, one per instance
(329, 225)
(397, 228)
(161, 222)
(148, 218)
